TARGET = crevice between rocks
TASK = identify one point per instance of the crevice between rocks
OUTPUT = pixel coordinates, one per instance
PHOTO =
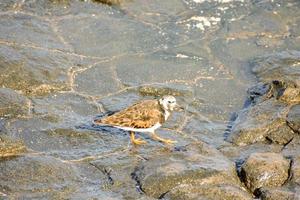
(135, 178)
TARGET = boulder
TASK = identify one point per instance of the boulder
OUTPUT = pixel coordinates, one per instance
(188, 172)
(276, 194)
(296, 170)
(283, 66)
(264, 121)
(205, 192)
(265, 170)
(293, 118)
(34, 173)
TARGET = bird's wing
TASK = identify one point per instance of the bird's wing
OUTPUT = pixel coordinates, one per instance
(144, 114)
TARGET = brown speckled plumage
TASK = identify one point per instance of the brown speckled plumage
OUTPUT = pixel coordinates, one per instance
(144, 114)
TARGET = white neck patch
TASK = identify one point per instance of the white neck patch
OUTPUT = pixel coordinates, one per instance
(167, 115)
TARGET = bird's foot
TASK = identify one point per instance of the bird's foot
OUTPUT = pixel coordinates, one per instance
(168, 141)
(165, 141)
(138, 141)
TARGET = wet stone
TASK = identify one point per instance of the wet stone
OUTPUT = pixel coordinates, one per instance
(34, 71)
(33, 173)
(37, 32)
(293, 118)
(10, 147)
(99, 80)
(85, 35)
(213, 192)
(159, 68)
(276, 194)
(46, 177)
(282, 66)
(161, 91)
(291, 95)
(265, 170)
(13, 104)
(7, 5)
(67, 109)
(110, 2)
(195, 164)
(264, 121)
(296, 169)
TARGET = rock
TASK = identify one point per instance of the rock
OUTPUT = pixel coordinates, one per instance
(32, 173)
(110, 2)
(13, 104)
(296, 170)
(293, 118)
(292, 149)
(283, 66)
(160, 91)
(99, 80)
(46, 177)
(291, 95)
(276, 194)
(31, 71)
(265, 170)
(213, 192)
(10, 147)
(194, 166)
(261, 122)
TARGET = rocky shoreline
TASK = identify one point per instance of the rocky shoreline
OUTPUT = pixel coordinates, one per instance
(73, 61)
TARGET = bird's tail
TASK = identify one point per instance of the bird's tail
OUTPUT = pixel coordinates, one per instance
(98, 121)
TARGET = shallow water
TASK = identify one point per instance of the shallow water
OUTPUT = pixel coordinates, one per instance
(74, 60)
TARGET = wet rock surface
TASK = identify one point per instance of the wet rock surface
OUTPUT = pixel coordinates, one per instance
(269, 118)
(265, 170)
(195, 164)
(13, 104)
(276, 194)
(293, 118)
(10, 147)
(65, 63)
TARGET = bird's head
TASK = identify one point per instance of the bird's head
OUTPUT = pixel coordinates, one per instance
(168, 102)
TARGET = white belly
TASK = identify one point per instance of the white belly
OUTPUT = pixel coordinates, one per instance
(143, 130)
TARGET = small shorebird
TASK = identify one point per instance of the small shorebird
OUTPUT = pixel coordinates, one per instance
(144, 116)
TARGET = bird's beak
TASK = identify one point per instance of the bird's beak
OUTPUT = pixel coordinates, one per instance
(178, 108)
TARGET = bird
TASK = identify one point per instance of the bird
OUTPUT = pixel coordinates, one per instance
(144, 116)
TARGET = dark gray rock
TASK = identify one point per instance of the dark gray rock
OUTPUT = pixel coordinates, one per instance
(276, 194)
(264, 121)
(293, 118)
(99, 80)
(283, 66)
(265, 170)
(192, 168)
(13, 104)
(44, 177)
(207, 192)
(17, 27)
(296, 169)
(34, 173)
(33, 71)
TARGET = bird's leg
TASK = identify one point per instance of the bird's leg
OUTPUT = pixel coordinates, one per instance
(166, 141)
(136, 141)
